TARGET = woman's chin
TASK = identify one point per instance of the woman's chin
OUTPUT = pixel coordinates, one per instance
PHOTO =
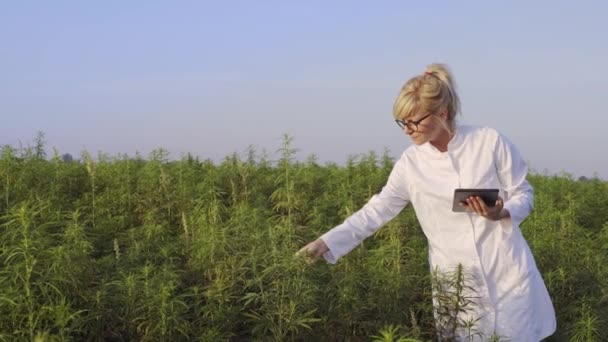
(418, 140)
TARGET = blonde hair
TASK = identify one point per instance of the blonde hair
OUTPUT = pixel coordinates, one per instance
(431, 92)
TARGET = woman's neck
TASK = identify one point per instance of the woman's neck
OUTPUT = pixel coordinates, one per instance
(442, 140)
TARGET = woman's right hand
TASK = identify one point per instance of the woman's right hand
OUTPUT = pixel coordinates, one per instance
(313, 251)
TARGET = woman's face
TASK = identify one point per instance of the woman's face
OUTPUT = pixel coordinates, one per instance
(422, 128)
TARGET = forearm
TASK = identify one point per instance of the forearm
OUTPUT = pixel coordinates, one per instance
(520, 204)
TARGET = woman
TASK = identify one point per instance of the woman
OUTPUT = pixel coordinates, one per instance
(485, 240)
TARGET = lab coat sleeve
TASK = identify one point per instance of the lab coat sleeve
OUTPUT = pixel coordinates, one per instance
(512, 171)
(380, 209)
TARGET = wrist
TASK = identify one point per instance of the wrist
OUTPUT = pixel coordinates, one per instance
(504, 213)
(322, 245)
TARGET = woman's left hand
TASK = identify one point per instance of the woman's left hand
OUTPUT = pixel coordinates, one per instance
(495, 213)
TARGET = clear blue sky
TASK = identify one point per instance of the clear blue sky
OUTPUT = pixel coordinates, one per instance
(212, 78)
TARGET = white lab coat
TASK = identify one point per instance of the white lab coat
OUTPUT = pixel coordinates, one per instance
(514, 302)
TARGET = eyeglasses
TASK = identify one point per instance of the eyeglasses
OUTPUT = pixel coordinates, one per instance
(412, 125)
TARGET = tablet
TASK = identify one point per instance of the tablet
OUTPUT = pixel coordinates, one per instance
(489, 196)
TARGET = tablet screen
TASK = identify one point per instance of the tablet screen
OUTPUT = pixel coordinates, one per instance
(489, 196)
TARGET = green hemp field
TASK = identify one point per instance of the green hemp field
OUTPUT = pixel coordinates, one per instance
(132, 248)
